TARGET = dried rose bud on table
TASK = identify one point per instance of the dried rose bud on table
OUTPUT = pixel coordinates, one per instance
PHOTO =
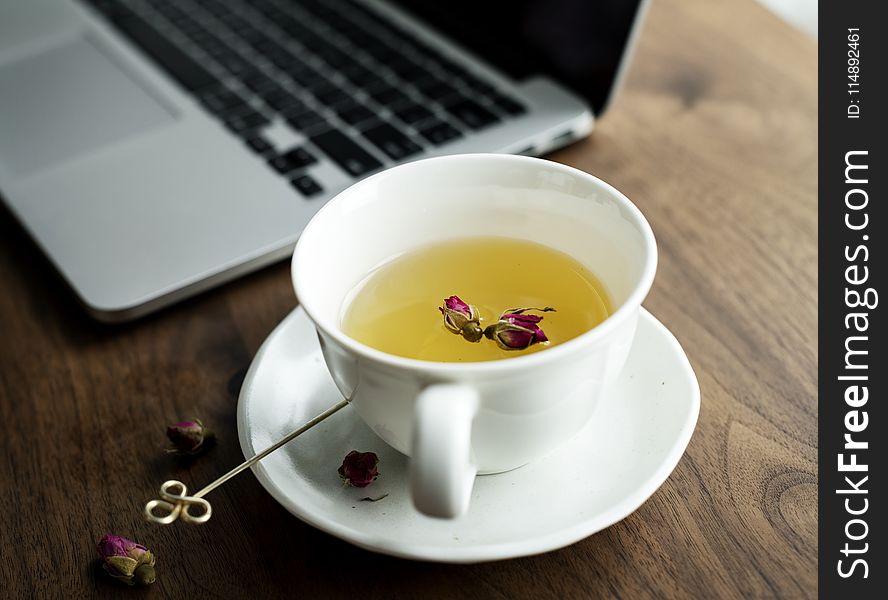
(189, 437)
(126, 561)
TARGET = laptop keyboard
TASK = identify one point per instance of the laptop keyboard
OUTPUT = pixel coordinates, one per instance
(339, 74)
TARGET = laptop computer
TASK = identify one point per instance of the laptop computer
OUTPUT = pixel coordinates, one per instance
(154, 149)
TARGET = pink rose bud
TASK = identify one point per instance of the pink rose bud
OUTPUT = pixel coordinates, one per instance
(189, 437)
(359, 468)
(517, 331)
(461, 318)
(126, 560)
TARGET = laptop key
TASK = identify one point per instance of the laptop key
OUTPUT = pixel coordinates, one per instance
(244, 124)
(311, 40)
(439, 132)
(217, 48)
(406, 69)
(233, 22)
(354, 113)
(222, 101)
(304, 119)
(412, 113)
(234, 64)
(389, 95)
(382, 53)
(278, 56)
(190, 74)
(265, 45)
(345, 152)
(309, 79)
(471, 113)
(439, 91)
(307, 186)
(478, 85)
(332, 96)
(361, 76)
(282, 101)
(391, 141)
(335, 57)
(258, 82)
(286, 22)
(296, 158)
(259, 145)
(435, 89)
(189, 27)
(270, 90)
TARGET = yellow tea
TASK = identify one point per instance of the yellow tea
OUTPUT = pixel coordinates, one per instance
(398, 307)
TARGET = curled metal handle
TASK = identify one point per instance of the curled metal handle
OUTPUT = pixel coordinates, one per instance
(175, 503)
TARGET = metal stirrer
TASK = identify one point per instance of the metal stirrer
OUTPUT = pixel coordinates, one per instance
(175, 503)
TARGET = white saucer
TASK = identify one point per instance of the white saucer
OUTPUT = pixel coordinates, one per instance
(633, 442)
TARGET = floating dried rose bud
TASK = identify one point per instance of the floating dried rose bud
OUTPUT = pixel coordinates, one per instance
(126, 560)
(517, 331)
(461, 318)
(358, 469)
(189, 437)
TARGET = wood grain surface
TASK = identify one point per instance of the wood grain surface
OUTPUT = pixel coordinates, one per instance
(714, 138)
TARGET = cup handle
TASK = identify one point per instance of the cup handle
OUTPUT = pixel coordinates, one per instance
(441, 470)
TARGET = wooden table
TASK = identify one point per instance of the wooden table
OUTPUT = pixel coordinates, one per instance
(714, 138)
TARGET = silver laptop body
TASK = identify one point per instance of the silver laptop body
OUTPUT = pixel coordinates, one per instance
(149, 164)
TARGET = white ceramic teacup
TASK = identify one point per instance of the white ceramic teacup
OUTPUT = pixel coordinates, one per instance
(459, 419)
